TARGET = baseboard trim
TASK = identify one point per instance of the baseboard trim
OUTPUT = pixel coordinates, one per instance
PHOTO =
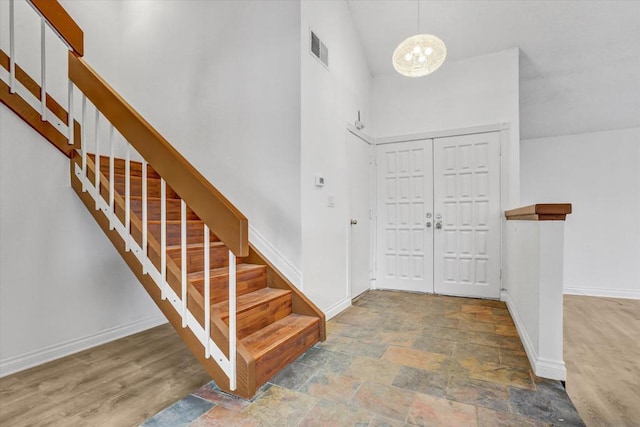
(607, 293)
(542, 367)
(19, 363)
(337, 308)
(552, 369)
(275, 257)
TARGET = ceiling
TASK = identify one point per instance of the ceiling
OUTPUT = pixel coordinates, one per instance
(579, 59)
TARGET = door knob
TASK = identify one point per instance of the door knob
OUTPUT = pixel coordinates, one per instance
(439, 225)
(354, 221)
(428, 224)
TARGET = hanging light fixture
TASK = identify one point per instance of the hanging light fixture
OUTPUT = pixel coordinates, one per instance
(419, 55)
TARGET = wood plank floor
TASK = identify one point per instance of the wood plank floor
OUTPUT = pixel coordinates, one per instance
(602, 354)
(121, 383)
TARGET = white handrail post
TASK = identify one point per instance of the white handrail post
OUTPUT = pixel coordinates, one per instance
(163, 236)
(83, 146)
(183, 259)
(12, 49)
(112, 212)
(43, 70)
(70, 136)
(144, 216)
(127, 197)
(96, 165)
(207, 295)
(232, 320)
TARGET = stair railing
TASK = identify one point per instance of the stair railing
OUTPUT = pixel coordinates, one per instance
(115, 121)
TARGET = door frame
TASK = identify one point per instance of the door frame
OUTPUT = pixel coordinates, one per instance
(372, 234)
(502, 128)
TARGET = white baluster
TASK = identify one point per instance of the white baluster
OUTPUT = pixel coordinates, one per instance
(183, 259)
(96, 178)
(207, 295)
(232, 320)
(12, 48)
(70, 126)
(43, 70)
(112, 212)
(83, 147)
(127, 197)
(145, 215)
(163, 236)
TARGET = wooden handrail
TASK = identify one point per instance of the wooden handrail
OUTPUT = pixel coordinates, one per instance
(540, 212)
(62, 22)
(224, 219)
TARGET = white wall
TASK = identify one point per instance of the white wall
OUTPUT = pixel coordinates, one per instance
(221, 81)
(63, 287)
(599, 173)
(533, 282)
(473, 92)
(330, 99)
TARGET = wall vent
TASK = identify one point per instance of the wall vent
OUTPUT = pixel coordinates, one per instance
(318, 49)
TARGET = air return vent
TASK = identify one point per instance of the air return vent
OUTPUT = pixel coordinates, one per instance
(318, 49)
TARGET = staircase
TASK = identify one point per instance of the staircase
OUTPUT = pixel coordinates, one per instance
(187, 244)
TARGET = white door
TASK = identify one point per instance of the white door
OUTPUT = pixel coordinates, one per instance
(359, 164)
(467, 214)
(404, 199)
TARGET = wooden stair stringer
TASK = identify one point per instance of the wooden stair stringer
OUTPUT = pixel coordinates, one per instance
(245, 384)
(33, 117)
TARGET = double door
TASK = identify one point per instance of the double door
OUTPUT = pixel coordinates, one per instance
(438, 215)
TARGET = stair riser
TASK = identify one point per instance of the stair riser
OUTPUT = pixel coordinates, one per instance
(272, 362)
(245, 282)
(154, 209)
(153, 188)
(218, 257)
(195, 233)
(136, 209)
(258, 317)
(135, 168)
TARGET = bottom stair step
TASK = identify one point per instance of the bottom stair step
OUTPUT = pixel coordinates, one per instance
(280, 343)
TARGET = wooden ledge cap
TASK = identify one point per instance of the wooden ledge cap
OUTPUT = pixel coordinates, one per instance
(540, 212)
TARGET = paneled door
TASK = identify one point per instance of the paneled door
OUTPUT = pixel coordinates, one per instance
(467, 215)
(404, 204)
(359, 160)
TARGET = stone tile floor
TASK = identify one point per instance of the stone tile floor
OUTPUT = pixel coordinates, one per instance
(397, 359)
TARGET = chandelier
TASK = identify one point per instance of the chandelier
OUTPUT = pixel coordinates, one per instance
(419, 55)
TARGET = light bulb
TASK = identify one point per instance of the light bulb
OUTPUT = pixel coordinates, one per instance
(428, 51)
(408, 57)
(416, 50)
(421, 58)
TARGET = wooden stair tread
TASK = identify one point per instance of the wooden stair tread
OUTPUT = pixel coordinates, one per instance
(194, 246)
(266, 339)
(224, 271)
(176, 221)
(248, 301)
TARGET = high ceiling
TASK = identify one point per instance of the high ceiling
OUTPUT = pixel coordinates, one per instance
(579, 59)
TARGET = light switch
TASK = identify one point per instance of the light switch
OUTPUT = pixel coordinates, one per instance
(331, 201)
(319, 181)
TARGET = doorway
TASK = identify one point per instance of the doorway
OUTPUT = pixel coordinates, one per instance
(438, 215)
(360, 159)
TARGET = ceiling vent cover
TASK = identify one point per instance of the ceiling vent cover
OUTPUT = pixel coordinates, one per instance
(318, 49)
